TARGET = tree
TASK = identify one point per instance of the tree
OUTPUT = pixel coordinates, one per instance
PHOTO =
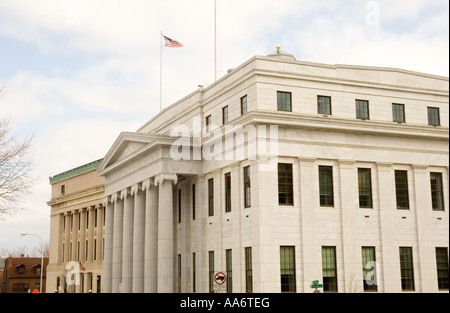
(15, 170)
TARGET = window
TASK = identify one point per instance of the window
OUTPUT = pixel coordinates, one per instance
(287, 265)
(284, 100)
(20, 288)
(208, 123)
(285, 185)
(401, 190)
(193, 202)
(398, 112)
(442, 267)
(369, 269)
(193, 272)
(179, 205)
(211, 271)
(248, 270)
(211, 197)
(63, 190)
(229, 269)
(244, 105)
(21, 269)
(179, 273)
(437, 192)
(247, 188)
(324, 105)
(329, 272)
(362, 109)
(326, 185)
(365, 187)
(228, 192)
(406, 268)
(433, 117)
(225, 115)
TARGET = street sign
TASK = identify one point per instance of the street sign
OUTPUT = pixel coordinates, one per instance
(220, 278)
(317, 286)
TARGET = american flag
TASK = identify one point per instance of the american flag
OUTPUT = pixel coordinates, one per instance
(172, 43)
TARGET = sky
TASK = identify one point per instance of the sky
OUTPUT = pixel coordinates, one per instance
(77, 73)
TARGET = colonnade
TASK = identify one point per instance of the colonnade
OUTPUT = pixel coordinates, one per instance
(139, 237)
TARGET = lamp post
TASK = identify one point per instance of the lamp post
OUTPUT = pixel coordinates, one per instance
(42, 257)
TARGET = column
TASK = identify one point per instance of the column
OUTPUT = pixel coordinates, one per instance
(127, 252)
(82, 256)
(74, 235)
(165, 183)
(60, 238)
(66, 236)
(117, 243)
(90, 256)
(151, 236)
(138, 239)
(99, 234)
(107, 262)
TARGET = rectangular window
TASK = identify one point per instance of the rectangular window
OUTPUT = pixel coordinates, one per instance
(208, 123)
(228, 192)
(365, 187)
(63, 190)
(211, 197)
(329, 271)
(211, 271)
(369, 269)
(193, 202)
(179, 205)
(362, 109)
(398, 113)
(225, 115)
(407, 268)
(287, 265)
(285, 184)
(193, 272)
(324, 105)
(179, 273)
(247, 188)
(284, 100)
(437, 192)
(401, 190)
(244, 105)
(442, 267)
(434, 118)
(248, 270)
(229, 269)
(326, 185)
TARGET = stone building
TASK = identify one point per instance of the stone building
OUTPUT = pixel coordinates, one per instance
(76, 230)
(280, 174)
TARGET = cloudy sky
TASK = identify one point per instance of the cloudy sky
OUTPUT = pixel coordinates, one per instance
(76, 73)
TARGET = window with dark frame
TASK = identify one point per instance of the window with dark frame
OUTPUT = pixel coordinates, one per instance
(369, 270)
(179, 205)
(247, 188)
(244, 105)
(324, 105)
(326, 193)
(407, 268)
(362, 109)
(229, 269)
(225, 115)
(248, 270)
(284, 101)
(398, 113)
(228, 192)
(208, 123)
(434, 118)
(285, 184)
(329, 271)
(442, 268)
(365, 187)
(401, 190)
(193, 201)
(211, 271)
(437, 192)
(211, 197)
(287, 269)
(194, 274)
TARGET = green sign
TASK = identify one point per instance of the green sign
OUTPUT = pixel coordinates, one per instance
(315, 282)
(315, 285)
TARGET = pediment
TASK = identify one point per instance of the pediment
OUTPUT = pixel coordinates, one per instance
(129, 146)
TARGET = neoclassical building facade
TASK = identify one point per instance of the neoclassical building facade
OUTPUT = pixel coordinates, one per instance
(281, 175)
(76, 231)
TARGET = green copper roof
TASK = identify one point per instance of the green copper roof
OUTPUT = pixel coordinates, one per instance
(75, 171)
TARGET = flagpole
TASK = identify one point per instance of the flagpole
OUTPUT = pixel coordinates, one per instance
(160, 73)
